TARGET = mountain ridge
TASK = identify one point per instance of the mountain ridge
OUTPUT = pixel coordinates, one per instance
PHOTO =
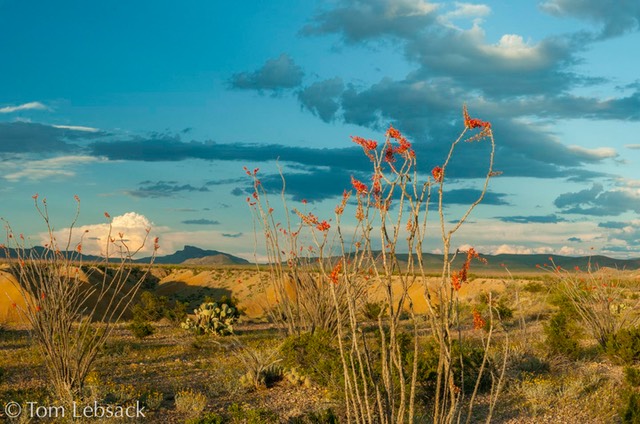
(193, 255)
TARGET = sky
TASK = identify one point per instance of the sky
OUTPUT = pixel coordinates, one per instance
(149, 110)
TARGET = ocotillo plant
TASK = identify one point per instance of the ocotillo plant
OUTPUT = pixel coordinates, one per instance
(71, 306)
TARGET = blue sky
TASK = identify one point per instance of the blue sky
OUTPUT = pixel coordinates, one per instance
(149, 110)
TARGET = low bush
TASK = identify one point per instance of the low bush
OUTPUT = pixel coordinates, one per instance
(562, 334)
(372, 310)
(632, 376)
(244, 414)
(322, 417)
(141, 329)
(624, 346)
(153, 308)
(630, 412)
(190, 402)
(314, 355)
(207, 418)
(466, 365)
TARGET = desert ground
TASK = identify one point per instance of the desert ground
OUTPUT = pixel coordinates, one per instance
(182, 377)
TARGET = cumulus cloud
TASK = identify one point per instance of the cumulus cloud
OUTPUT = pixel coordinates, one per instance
(632, 146)
(361, 20)
(467, 11)
(95, 237)
(597, 201)
(616, 17)
(323, 98)
(276, 74)
(25, 106)
(520, 250)
(622, 235)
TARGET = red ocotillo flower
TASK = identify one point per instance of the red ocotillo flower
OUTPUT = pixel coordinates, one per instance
(323, 226)
(438, 173)
(335, 273)
(360, 187)
(471, 122)
(478, 321)
(393, 133)
(366, 144)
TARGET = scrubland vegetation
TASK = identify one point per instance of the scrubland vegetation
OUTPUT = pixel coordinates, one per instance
(353, 326)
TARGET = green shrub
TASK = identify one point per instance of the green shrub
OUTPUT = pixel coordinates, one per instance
(207, 418)
(240, 414)
(632, 376)
(562, 335)
(315, 356)
(624, 346)
(534, 287)
(372, 310)
(190, 402)
(501, 311)
(141, 329)
(466, 364)
(153, 308)
(323, 417)
(531, 364)
(630, 412)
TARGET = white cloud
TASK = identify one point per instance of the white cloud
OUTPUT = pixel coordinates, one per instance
(513, 47)
(528, 250)
(520, 250)
(410, 8)
(25, 106)
(76, 128)
(598, 153)
(468, 11)
(95, 237)
(632, 146)
(58, 167)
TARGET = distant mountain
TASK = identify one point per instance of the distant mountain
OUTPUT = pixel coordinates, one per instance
(527, 263)
(191, 255)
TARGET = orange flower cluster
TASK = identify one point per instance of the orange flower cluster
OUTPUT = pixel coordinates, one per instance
(360, 187)
(343, 203)
(323, 226)
(359, 212)
(473, 123)
(376, 187)
(478, 321)
(438, 173)
(312, 220)
(403, 149)
(335, 273)
(255, 171)
(367, 145)
(460, 277)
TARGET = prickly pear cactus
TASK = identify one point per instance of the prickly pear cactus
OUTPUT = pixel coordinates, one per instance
(212, 318)
(297, 378)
